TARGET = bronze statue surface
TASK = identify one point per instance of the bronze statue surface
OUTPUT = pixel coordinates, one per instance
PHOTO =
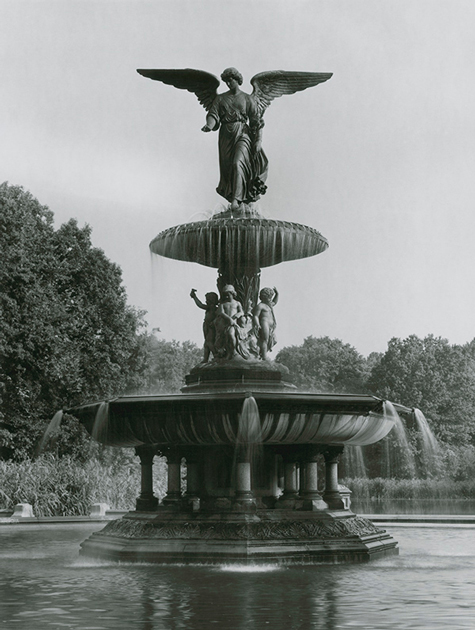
(243, 164)
(264, 321)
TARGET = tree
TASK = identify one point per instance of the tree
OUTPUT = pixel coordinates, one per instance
(170, 361)
(433, 376)
(67, 335)
(325, 365)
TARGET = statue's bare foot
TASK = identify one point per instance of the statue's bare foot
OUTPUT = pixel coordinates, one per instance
(235, 205)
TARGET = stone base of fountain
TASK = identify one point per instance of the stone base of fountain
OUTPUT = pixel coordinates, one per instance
(252, 491)
(238, 374)
(277, 536)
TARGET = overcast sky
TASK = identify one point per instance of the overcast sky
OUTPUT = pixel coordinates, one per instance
(380, 159)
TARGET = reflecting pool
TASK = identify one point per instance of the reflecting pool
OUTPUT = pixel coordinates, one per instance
(44, 584)
(414, 506)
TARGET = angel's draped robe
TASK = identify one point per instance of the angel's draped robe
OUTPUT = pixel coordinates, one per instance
(243, 170)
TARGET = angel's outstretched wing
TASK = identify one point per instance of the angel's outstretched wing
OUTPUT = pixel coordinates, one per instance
(201, 83)
(271, 85)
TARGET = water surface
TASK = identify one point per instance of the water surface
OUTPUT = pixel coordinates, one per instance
(44, 584)
(414, 506)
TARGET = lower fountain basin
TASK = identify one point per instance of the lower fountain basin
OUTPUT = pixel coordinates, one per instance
(276, 418)
(277, 537)
(237, 444)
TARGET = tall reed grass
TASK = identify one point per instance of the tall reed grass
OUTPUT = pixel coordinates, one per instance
(65, 487)
(417, 489)
(62, 486)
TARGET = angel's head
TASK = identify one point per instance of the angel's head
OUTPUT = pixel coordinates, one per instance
(232, 73)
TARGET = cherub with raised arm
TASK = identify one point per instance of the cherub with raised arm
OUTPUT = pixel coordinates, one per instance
(209, 332)
(264, 321)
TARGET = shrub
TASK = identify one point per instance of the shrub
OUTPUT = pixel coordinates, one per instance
(413, 489)
(65, 487)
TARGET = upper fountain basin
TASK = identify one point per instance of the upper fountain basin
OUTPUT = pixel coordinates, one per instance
(240, 243)
(281, 418)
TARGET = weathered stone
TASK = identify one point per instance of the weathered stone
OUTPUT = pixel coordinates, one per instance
(279, 537)
(99, 509)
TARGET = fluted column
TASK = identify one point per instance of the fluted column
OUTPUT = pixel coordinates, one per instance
(291, 486)
(173, 496)
(309, 481)
(244, 498)
(146, 501)
(332, 493)
(193, 480)
(291, 480)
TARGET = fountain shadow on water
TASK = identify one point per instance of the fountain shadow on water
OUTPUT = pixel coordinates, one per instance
(239, 598)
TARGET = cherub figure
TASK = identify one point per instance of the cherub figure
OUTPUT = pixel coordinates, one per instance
(264, 321)
(230, 330)
(209, 331)
(239, 118)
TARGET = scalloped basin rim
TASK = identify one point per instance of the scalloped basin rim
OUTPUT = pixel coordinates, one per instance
(220, 419)
(356, 399)
(348, 403)
(240, 243)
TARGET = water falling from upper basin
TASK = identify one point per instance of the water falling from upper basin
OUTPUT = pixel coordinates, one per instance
(240, 243)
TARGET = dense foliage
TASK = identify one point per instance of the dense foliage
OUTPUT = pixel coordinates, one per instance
(66, 487)
(67, 335)
(434, 376)
(326, 365)
(169, 362)
(429, 374)
(66, 332)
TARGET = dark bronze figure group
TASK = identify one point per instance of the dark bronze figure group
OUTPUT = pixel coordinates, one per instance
(230, 332)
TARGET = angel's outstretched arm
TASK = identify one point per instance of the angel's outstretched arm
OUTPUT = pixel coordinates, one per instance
(213, 118)
(211, 124)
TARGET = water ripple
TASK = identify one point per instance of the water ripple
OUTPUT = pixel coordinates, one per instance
(44, 584)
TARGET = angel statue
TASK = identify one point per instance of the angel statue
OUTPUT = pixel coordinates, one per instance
(239, 118)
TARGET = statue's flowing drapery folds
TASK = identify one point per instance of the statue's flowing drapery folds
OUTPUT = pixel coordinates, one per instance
(239, 117)
(243, 170)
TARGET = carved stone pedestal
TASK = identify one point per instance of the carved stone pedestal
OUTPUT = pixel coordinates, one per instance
(282, 536)
(253, 457)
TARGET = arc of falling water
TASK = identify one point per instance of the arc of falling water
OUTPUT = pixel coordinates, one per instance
(249, 428)
(53, 426)
(101, 422)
